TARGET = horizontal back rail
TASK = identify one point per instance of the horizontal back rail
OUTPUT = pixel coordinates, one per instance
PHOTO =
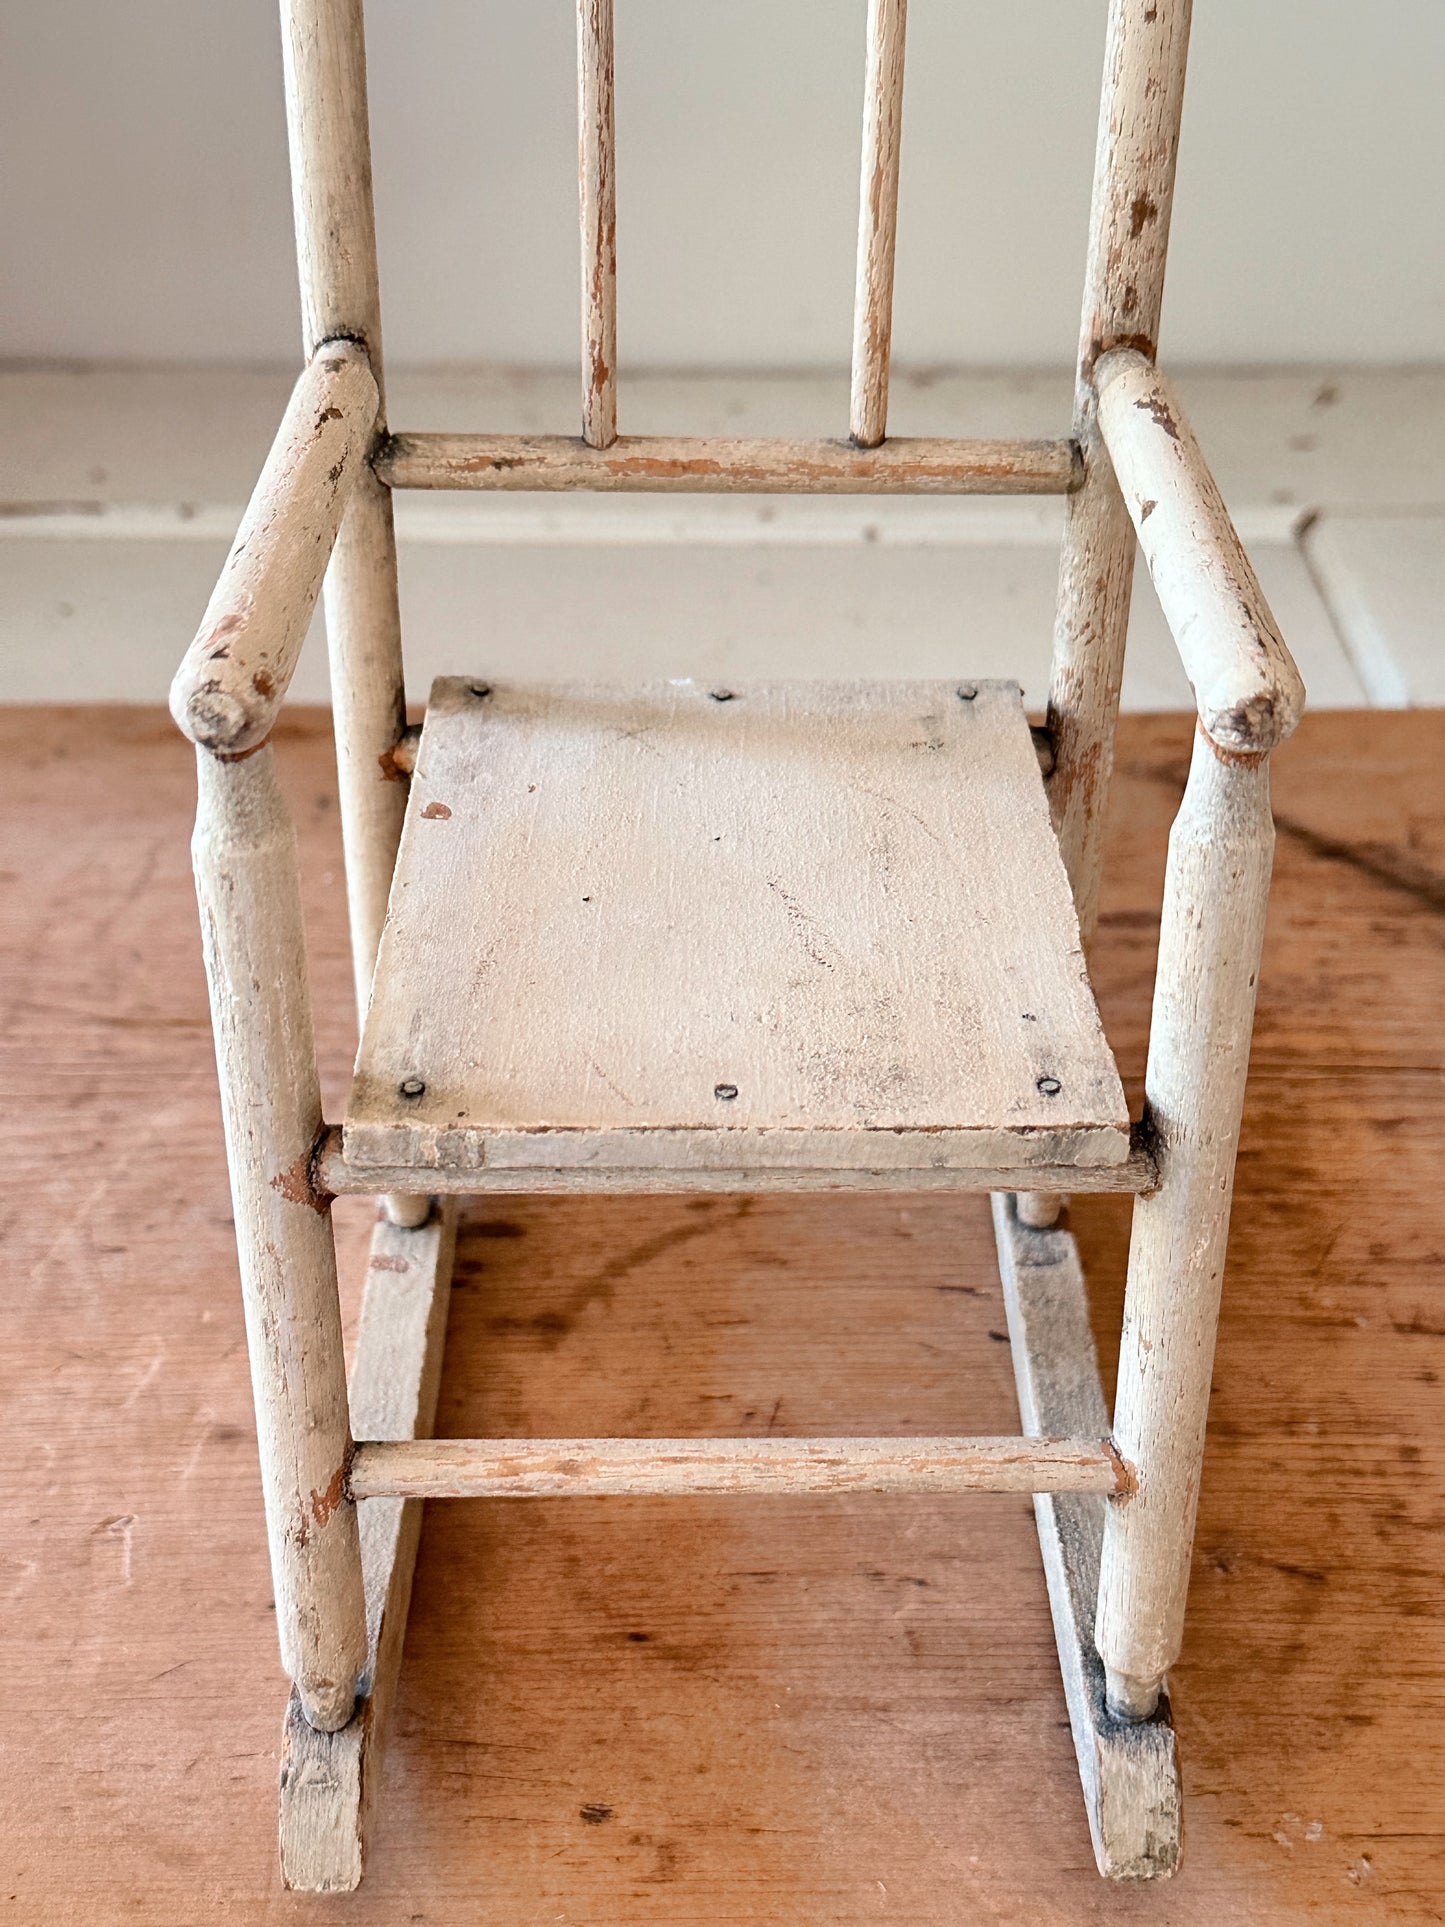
(931, 465)
(607, 1468)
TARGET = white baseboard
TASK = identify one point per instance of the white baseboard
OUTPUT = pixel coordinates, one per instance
(120, 490)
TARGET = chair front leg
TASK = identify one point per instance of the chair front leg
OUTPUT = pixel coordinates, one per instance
(1220, 854)
(246, 883)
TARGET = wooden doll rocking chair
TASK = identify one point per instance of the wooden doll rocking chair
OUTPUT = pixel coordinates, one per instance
(587, 924)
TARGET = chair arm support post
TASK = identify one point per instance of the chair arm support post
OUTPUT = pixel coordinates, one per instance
(1248, 690)
(249, 895)
(1216, 888)
(234, 677)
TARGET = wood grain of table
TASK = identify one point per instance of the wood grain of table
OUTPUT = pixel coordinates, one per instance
(705, 1711)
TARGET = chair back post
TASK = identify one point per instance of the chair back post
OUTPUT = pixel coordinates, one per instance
(324, 50)
(1139, 116)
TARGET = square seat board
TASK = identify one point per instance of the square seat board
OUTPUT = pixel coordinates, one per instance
(782, 927)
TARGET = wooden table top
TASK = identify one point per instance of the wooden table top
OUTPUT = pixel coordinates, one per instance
(744, 1711)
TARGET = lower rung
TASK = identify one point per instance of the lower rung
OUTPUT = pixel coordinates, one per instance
(601, 1468)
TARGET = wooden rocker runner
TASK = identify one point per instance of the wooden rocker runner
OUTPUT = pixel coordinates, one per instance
(782, 935)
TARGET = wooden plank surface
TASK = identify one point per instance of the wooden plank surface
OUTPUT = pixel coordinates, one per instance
(651, 1711)
(759, 924)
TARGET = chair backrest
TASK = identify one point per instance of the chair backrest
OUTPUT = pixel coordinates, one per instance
(1133, 189)
(1134, 178)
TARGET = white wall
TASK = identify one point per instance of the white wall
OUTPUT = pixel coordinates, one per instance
(146, 214)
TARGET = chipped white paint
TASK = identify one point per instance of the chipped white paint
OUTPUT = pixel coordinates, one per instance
(329, 1780)
(1215, 894)
(1144, 61)
(1248, 690)
(250, 902)
(1129, 1769)
(235, 675)
(646, 464)
(341, 1177)
(324, 48)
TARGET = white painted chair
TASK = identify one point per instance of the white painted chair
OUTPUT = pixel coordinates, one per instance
(779, 936)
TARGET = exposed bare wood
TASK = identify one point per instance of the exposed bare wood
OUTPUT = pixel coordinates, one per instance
(790, 960)
(339, 1176)
(877, 220)
(329, 1780)
(245, 865)
(907, 466)
(1215, 893)
(234, 676)
(598, 1468)
(597, 185)
(404, 755)
(1129, 1769)
(1139, 114)
(1245, 682)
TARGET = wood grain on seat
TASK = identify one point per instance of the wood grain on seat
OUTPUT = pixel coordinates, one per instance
(800, 925)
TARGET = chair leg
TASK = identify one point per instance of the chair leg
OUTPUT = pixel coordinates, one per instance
(246, 883)
(1220, 855)
(1129, 1770)
(329, 1780)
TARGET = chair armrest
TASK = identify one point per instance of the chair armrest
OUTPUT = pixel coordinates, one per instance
(235, 674)
(1245, 682)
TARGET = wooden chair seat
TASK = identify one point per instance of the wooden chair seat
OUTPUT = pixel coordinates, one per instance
(783, 927)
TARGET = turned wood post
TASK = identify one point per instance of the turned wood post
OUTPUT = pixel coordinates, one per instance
(1215, 894)
(324, 51)
(1123, 291)
(323, 45)
(244, 852)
